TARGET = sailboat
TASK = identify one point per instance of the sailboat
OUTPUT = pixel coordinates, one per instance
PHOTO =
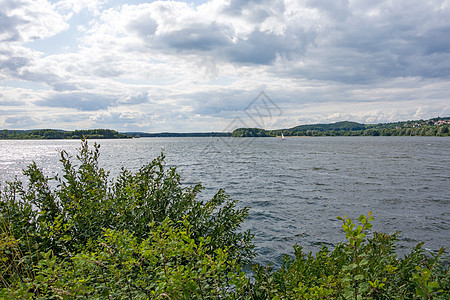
(282, 136)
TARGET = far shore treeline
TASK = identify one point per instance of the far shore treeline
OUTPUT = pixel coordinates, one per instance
(432, 127)
(179, 134)
(47, 134)
(37, 134)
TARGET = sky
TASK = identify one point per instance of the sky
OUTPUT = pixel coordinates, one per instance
(200, 66)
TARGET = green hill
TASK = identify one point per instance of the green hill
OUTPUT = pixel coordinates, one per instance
(338, 126)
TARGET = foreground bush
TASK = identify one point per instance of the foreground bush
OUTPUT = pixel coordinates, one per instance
(361, 268)
(84, 203)
(66, 215)
(145, 236)
(169, 264)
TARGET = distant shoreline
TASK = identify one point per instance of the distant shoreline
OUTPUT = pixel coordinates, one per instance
(178, 134)
(55, 134)
(226, 136)
(432, 127)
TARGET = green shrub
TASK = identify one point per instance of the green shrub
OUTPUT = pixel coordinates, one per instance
(169, 264)
(66, 214)
(85, 202)
(361, 268)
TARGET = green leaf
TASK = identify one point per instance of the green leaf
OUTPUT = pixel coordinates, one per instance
(359, 277)
(434, 284)
(362, 219)
(363, 262)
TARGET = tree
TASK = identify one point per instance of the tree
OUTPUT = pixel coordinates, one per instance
(443, 130)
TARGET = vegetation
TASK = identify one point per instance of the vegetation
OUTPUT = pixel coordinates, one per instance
(144, 236)
(432, 127)
(361, 268)
(60, 134)
(175, 134)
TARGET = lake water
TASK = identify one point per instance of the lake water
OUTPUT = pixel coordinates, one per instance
(295, 187)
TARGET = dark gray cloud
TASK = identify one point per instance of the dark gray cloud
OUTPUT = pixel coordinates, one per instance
(256, 10)
(196, 37)
(367, 40)
(10, 5)
(214, 103)
(434, 41)
(262, 48)
(107, 71)
(12, 64)
(336, 9)
(259, 48)
(138, 99)
(218, 40)
(135, 99)
(144, 26)
(52, 80)
(8, 27)
(221, 102)
(376, 41)
(20, 121)
(79, 100)
(59, 85)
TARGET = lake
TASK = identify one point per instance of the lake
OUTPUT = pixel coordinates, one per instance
(295, 187)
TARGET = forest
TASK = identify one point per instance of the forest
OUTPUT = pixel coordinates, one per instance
(179, 134)
(46, 134)
(432, 127)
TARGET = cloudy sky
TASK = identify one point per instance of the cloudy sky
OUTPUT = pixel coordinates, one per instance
(197, 65)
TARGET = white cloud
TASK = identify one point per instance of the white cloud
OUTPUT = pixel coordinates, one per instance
(75, 6)
(29, 20)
